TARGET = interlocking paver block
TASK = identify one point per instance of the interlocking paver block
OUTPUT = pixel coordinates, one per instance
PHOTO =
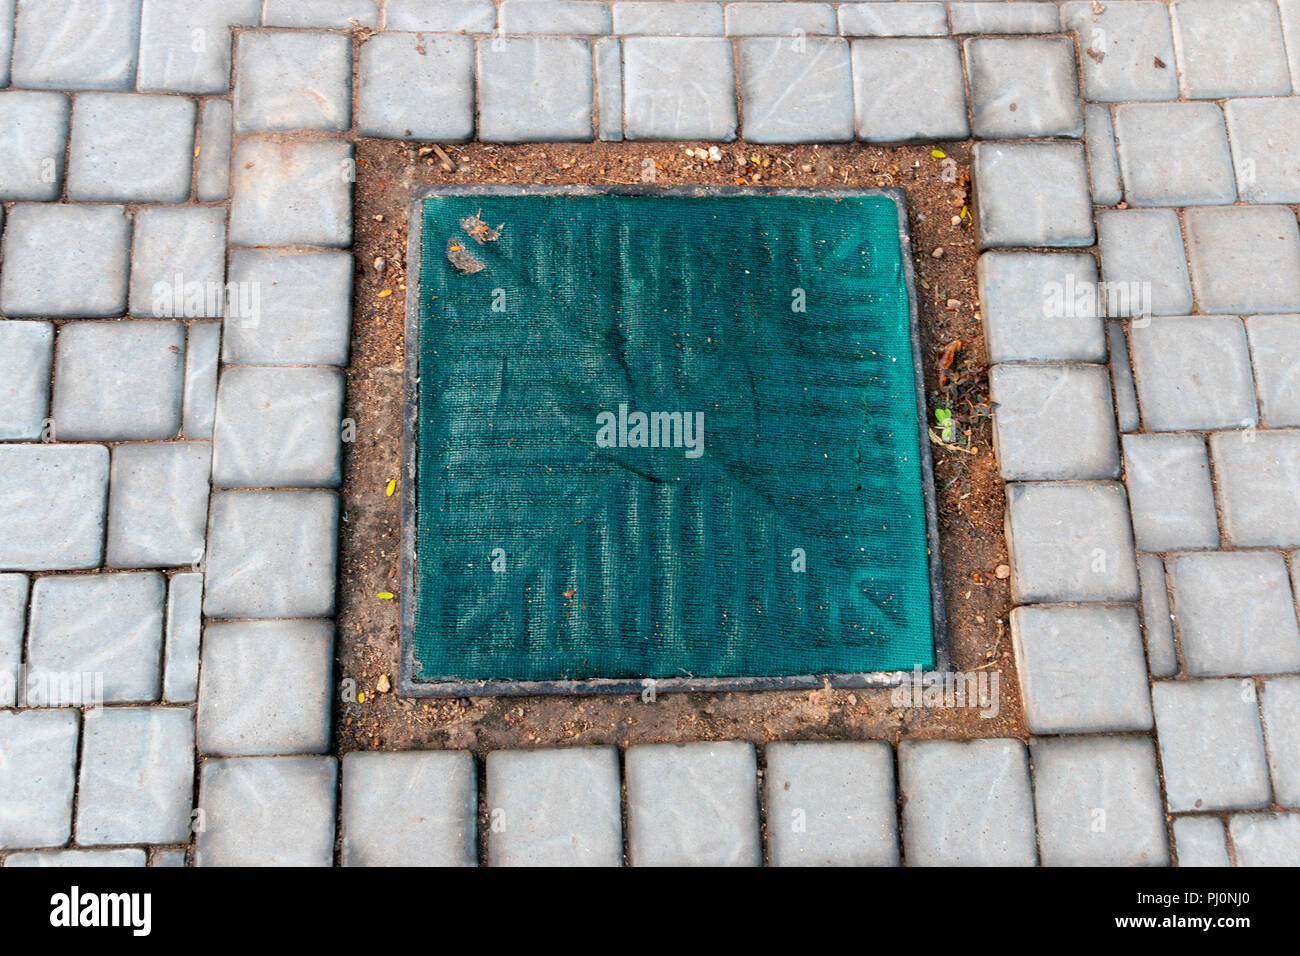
(257, 537)
(294, 660)
(178, 262)
(890, 19)
(1070, 542)
(1280, 705)
(657, 105)
(796, 91)
(37, 776)
(76, 44)
(1041, 307)
(563, 17)
(184, 624)
(908, 89)
(967, 803)
(1275, 354)
(79, 858)
(1023, 87)
(555, 807)
(1265, 150)
(117, 381)
(1258, 475)
(267, 811)
(1266, 839)
(668, 18)
(1244, 258)
(202, 351)
(1103, 160)
(412, 86)
(131, 147)
(447, 16)
(36, 137)
(1098, 802)
(536, 89)
(158, 504)
(168, 858)
(416, 808)
(286, 81)
(693, 804)
(53, 500)
(13, 621)
(1169, 492)
(1143, 262)
(1201, 841)
(1234, 51)
(1211, 746)
(1053, 422)
(65, 261)
(1127, 49)
(338, 14)
(185, 47)
(1157, 619)
(212, 167)
(1032, 194)
(294, 308)
(1003, 17)
(1193, 372)
(1174, 154)
(291, 193)
(137, 776)
(779, 19)
(832, 804)
(26, 355)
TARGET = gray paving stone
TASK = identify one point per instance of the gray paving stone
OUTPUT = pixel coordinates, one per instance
(26, 356)
(1220, 55)
(36, 137)
(1132, 50)
(1023, 87)
(100, 625)
(37, 775)
(555, 807)
(908, 89)
(13, 622)
(416, 808)
(796, 90)
(296, 308)
(202, 350)
(1040, 307)
(168, 858)
(608, 53)
(136, 395)
(76, 44)
(447, 16)
(212, 175)
(1193, 372)
(779, 19)
(413, 86)
(697, 19)
(1032, 194)
(291, 193)
(1070, 542)
(1244, 258)
(832, 804)
(1157, 619)
(1082, 669)
(1266, 839)
(158, 504)
(178, 262)
(79, 858)
(267, 811)
(335, 14)
(185, 47)
(693, 804)
(1211, 746)
(890, 19)
(536, 89)
(293, 661)
(1290, 10)
(1275, 355)
(1103, 161)
(288, 81)
(1174, 154)
(1201, 842)
(1003, 17)
(1121, 378)
(563, 17)
(968, 803)
(137, 776)
(657, 105)
(1169, 492)
(271, 554)
(184, 623)
(1265, 154)
(53, 499)
(1280, 706)
(1143, 262)
(1258, 475)
(131, 147)
(65, 261)
(1098, 802)
(1053, 422)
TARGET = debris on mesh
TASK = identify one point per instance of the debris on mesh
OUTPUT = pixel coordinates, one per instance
(460, 257)
(479, 230)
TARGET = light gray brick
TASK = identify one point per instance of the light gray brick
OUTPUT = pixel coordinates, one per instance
(13, 622)
(168, 858)
(657, 105)
(446, 16)
(158, 504)
(779, 19)
(212, 176)
(1040, 307)
(1266, 839)
(1103, 161)
(1053, 422)
(178, 262)
(76, 44)
(81, 859)
(185, 47)
(202, 350)
(1121, 378)
(297, 308)
(412, 86)
(1157, 619)
(1257, 474)
(36, 137)
(1244, 258)
(609, 88)
(1032, 194)
(535, 89)
(796, 91)
(65, 261)
(1174, 154)
(564, 17)
(1023, 87)
(1143, 262)
(1201, 841)
(38, 776)
(1127, 50)
(908, 89)
(184, 622)
(1225, 53)
(1280, 706)
(26, 356)
(289, 81)
(1169, 492)
(697, 19)
(291, 193)
(1004, 17)
(557, 807)
(416, 808)
(1266, 156)
(892, 19)
(53, 501)
(1193, 372)
(334, 14)
(131, 147)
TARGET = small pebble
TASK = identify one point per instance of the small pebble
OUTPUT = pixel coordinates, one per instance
(380, 264)
(938, 252)
(954, 303)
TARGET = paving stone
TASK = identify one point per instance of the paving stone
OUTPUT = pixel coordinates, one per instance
(1266, 839)
(563, 17)
(65, 261)
(184, 622)
(295, 307)
(100, 625)
(608, 53)
(416, 808)
(657, 105)
(1258, 476)
(137, 776)
(537, 89)
(168, 858)
(891, 19)
(26, 355)
(256, 537)
(158, 504)
(1201, 841)
(131, 147)
(1169, 492)
(447, 16)
(1290, 10)
(80, 859)
(294, 657)
(779, 19)
(796, 90)
(1211, 746)
(75, 44)
(36, 137)
(1032, 194)
(53, 500)
(1174, 154)
(1082, 669)
(1121, 378)
(37, 776)
(202, 350)
(1157, 619)
(1003, 18)
(555, 807)
(1023, 87)
(1132, 50)
(1280, 706)
(1143, 262)
(697, 19)
(1040, 307)
(1193, 372)
(336, 14)
(1275, 355)
(1237, 55)
(137, 395)
(832, 804)
(178, 262)
(1265, 154)
(693, 804)
(908, 89)
(292, 193)
(1098, 802)
(6, 38)
(967, 803)
(1053, 422)
(1070, 542)
(267, 811)
(291, 81)
(212, 176)
(185, 47)
(1103, 161)
(415, 87)
(13, 621)
(1244, 259)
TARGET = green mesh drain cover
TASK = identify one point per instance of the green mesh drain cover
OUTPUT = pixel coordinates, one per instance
(665, 436)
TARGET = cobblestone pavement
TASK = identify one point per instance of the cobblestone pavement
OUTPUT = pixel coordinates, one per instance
(175, 284)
